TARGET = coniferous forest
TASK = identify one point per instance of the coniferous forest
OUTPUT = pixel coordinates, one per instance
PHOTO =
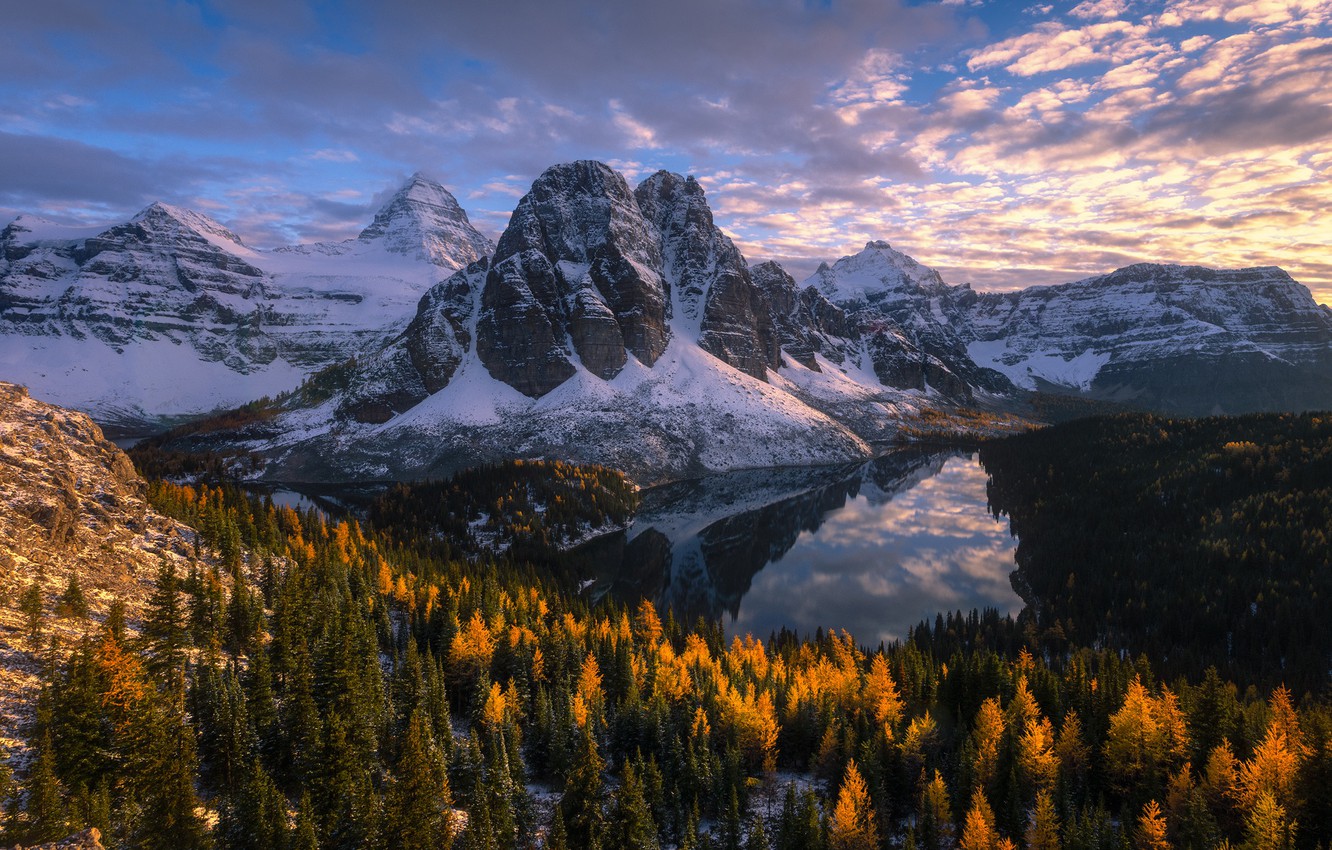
(338, 684)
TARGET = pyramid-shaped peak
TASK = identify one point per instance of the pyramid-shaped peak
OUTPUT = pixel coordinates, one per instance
(424, 219)
(425, 190)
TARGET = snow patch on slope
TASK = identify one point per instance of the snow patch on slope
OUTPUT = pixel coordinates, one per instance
(1024, 368)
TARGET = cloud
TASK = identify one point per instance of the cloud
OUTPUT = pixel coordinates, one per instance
(68, 173)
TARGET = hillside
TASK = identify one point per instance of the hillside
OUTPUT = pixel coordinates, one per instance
(72, 508)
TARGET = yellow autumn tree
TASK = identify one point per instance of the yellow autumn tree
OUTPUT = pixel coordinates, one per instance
(1271, 770)
(853, 823)
(471, 649)
(1043, 827)
(936, 826)
(978, 829)
(1036, 755)
(1268, 827)
(1151, 831)
(986, 734)
(1147, 735)
(881, 696)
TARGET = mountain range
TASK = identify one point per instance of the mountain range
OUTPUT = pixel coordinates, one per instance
(611, 324)
(170, 315)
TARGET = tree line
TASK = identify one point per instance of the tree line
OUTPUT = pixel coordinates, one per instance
(329, 685)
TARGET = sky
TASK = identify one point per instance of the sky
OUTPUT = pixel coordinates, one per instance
(1003, 143)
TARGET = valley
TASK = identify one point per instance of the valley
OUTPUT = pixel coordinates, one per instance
(599, 535)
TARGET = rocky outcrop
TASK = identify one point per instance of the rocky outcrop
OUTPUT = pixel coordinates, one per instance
(576, 273)
(423, 359)
(71, 506)
(717, 300)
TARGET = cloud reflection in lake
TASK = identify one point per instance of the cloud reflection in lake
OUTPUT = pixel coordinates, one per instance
(877, 567)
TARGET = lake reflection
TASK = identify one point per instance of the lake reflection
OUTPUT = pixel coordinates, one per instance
(872, 548)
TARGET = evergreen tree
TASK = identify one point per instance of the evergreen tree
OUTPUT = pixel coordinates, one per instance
(256, 816)
(631, 825)
(581, 803)
(1043, 828)
(557, 838)
(165, 635)
(163, 771)
(346, 807)
(304, 837)
(30, 605)
(45, 811)
(416, 811)
(72, 601)
(758, 836)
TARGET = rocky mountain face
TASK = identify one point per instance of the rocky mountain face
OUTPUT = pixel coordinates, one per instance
(578, 272)
(1181, 339)
(913, 325)
(623, 327)
(170, 314)
(614, 325)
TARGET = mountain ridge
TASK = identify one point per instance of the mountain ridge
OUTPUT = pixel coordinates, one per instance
(621, 325)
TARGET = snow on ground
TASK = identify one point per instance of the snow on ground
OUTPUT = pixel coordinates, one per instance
(1024, 368)
(159, 376)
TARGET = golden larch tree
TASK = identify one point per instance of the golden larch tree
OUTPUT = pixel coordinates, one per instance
(853, 824)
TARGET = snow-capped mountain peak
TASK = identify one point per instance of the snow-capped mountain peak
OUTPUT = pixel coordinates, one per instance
(424, 220)
(166, 220)
(872, 274)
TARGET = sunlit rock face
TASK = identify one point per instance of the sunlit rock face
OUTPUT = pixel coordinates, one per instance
(1182, 339)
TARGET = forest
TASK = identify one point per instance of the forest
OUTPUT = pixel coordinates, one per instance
(1195, 541)
(333, 684)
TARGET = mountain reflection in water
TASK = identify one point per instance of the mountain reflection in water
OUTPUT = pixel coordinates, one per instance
(871, 548)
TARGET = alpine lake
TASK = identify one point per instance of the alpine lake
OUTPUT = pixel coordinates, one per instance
(872, 548)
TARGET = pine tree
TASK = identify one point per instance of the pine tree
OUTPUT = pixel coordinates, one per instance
(758, 836)
(346, 807)
(303, 837)
(416, 811)
(581, 802)
(557, 838)
(631, 824)
(72, 601)
(165, 636)
(46, 813)
(256, 816)
(30, 605)
(163, 773)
